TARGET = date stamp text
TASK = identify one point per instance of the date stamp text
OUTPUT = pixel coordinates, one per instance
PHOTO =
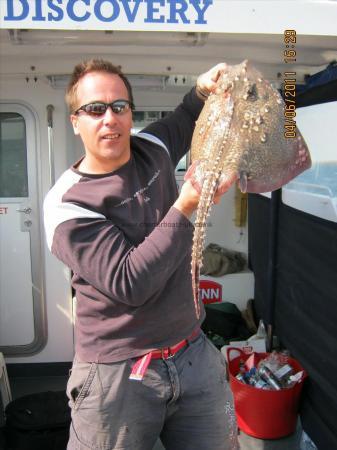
(289, 85)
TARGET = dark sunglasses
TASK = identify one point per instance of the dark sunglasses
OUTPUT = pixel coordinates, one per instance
(99, 108)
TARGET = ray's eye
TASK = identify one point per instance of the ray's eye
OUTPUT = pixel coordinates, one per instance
(252, 94)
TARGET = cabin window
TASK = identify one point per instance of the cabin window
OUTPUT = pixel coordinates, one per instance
(13, 156)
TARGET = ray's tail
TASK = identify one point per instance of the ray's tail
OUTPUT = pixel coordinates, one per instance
(209, 188)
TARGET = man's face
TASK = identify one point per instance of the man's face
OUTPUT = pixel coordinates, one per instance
(106, 138)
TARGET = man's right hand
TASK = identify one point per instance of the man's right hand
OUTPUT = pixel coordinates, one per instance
(188, 199)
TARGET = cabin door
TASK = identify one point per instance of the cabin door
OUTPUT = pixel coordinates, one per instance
(22, 320)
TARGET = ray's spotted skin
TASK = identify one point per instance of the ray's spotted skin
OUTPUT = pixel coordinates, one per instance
(240, 136)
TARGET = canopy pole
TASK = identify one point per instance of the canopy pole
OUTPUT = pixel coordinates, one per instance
(272, 264)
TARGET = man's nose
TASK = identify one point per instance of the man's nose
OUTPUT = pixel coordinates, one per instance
(109, 116)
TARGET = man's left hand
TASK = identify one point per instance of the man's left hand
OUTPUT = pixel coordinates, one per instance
(206, 82)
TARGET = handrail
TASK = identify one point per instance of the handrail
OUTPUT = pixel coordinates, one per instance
(50, 109)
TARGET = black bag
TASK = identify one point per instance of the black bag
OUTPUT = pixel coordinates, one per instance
(225, 319)
(38, 422)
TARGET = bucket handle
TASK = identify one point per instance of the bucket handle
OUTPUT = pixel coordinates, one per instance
(237, 350)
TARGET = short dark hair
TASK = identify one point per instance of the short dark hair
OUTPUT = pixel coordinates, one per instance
(92, 65)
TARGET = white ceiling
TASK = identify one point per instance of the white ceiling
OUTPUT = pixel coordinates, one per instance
(50, 52)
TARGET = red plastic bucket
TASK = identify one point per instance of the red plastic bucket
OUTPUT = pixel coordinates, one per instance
(264, 414)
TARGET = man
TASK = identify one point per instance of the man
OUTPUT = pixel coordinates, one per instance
(142, 367)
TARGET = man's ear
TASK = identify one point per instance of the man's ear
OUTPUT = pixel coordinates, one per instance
(74, 122)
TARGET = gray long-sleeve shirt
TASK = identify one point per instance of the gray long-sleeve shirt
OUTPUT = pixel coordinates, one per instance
(128, 247)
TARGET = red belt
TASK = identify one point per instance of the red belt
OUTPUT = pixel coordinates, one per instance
(141, 365)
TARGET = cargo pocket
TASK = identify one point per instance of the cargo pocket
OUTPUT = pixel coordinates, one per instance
(80, 382)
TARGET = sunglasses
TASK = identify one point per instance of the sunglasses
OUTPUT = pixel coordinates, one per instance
(97, 109)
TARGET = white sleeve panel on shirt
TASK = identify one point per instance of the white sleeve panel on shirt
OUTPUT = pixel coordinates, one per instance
(56, 211)
(154, 139)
